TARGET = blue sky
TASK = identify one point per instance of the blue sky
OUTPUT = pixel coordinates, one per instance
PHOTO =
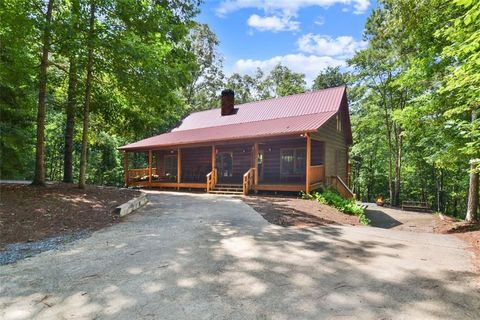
(305, 35)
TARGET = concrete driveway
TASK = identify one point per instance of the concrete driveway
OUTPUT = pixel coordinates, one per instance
(187, 256)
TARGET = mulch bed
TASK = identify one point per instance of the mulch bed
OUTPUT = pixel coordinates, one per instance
(30, 213)
(291, 211)
(468, 232)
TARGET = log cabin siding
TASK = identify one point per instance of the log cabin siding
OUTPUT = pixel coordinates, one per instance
(242, 162)
(159, 163)
(271, 160)
(196, 164)
(318, 153)
(335, 148)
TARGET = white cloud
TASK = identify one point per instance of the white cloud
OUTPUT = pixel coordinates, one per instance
(340, 47)
(272, 23)
(310, 65)
(288, 7)
(320, 21)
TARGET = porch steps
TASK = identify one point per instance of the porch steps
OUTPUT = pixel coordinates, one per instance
(230, 189)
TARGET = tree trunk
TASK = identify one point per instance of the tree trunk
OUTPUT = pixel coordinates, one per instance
(70, 123)
(472, 192)
(39, 178)
(398, 171)
(472, 206)
(390, 146)
(88, 95)
(71, 103)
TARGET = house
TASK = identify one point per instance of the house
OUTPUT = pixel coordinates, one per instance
(293, 143)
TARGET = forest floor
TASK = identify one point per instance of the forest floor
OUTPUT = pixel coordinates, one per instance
(55, 213)
(291, 211)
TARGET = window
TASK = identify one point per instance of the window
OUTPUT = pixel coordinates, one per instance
(287, 161)
(293, 161)
(171, 166)
(224, 161)
(339, 123)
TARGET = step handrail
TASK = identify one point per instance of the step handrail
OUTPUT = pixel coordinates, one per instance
(342, 187)
(211, 179)
(248, 180)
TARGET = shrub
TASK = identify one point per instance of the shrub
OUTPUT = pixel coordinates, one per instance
(332, 198)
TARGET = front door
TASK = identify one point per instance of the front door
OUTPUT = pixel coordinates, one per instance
(224, 161)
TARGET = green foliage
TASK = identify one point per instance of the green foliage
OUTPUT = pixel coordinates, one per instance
(330, 77)
(332, 198)
(415, 90)
(142, 63)
(281, 81)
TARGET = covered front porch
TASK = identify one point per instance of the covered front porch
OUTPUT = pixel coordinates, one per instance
(288, 163)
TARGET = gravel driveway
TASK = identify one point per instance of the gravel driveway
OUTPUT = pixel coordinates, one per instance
(191, 256)
(394, 218)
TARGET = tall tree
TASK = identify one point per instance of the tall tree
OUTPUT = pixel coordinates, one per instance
(207, 77)
(283, 82)
(72, 93)
(39, 178)
(330, 77)
(18, 88)
(88, 96)
(463, 82)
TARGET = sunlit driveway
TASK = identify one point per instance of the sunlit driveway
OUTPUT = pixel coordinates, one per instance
(187, 256)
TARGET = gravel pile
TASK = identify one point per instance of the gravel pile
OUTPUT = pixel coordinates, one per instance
(21, 250)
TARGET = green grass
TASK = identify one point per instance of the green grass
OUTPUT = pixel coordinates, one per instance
(333, 199)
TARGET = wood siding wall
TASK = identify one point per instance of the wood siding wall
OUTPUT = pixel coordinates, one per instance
(196, 164)
(242, 161)
(335, 148)
(158, 162)
(271, 160)
(318, 153)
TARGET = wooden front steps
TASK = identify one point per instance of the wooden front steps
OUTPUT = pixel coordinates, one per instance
(230, 189)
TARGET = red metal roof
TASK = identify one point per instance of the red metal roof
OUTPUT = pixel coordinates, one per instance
(290, 115)
(296, 105)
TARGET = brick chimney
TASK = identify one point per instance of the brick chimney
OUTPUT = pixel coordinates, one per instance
(228, 102)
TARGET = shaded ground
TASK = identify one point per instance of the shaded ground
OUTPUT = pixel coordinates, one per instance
(32, 213)
(188, 256)
(468, 232)
(394, 218)
(291, 211)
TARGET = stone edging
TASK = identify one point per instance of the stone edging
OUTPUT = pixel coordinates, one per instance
(131, 205)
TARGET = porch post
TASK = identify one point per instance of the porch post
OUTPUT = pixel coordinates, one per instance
(149, 166)
(214, 164)
(125, 163)
(307, 167)
(179, 166)
(213, 157)
(255, 159)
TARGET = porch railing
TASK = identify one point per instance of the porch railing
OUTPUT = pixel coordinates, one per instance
(248, 181)
(211, 180)
(317, 174)
(140, 174)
